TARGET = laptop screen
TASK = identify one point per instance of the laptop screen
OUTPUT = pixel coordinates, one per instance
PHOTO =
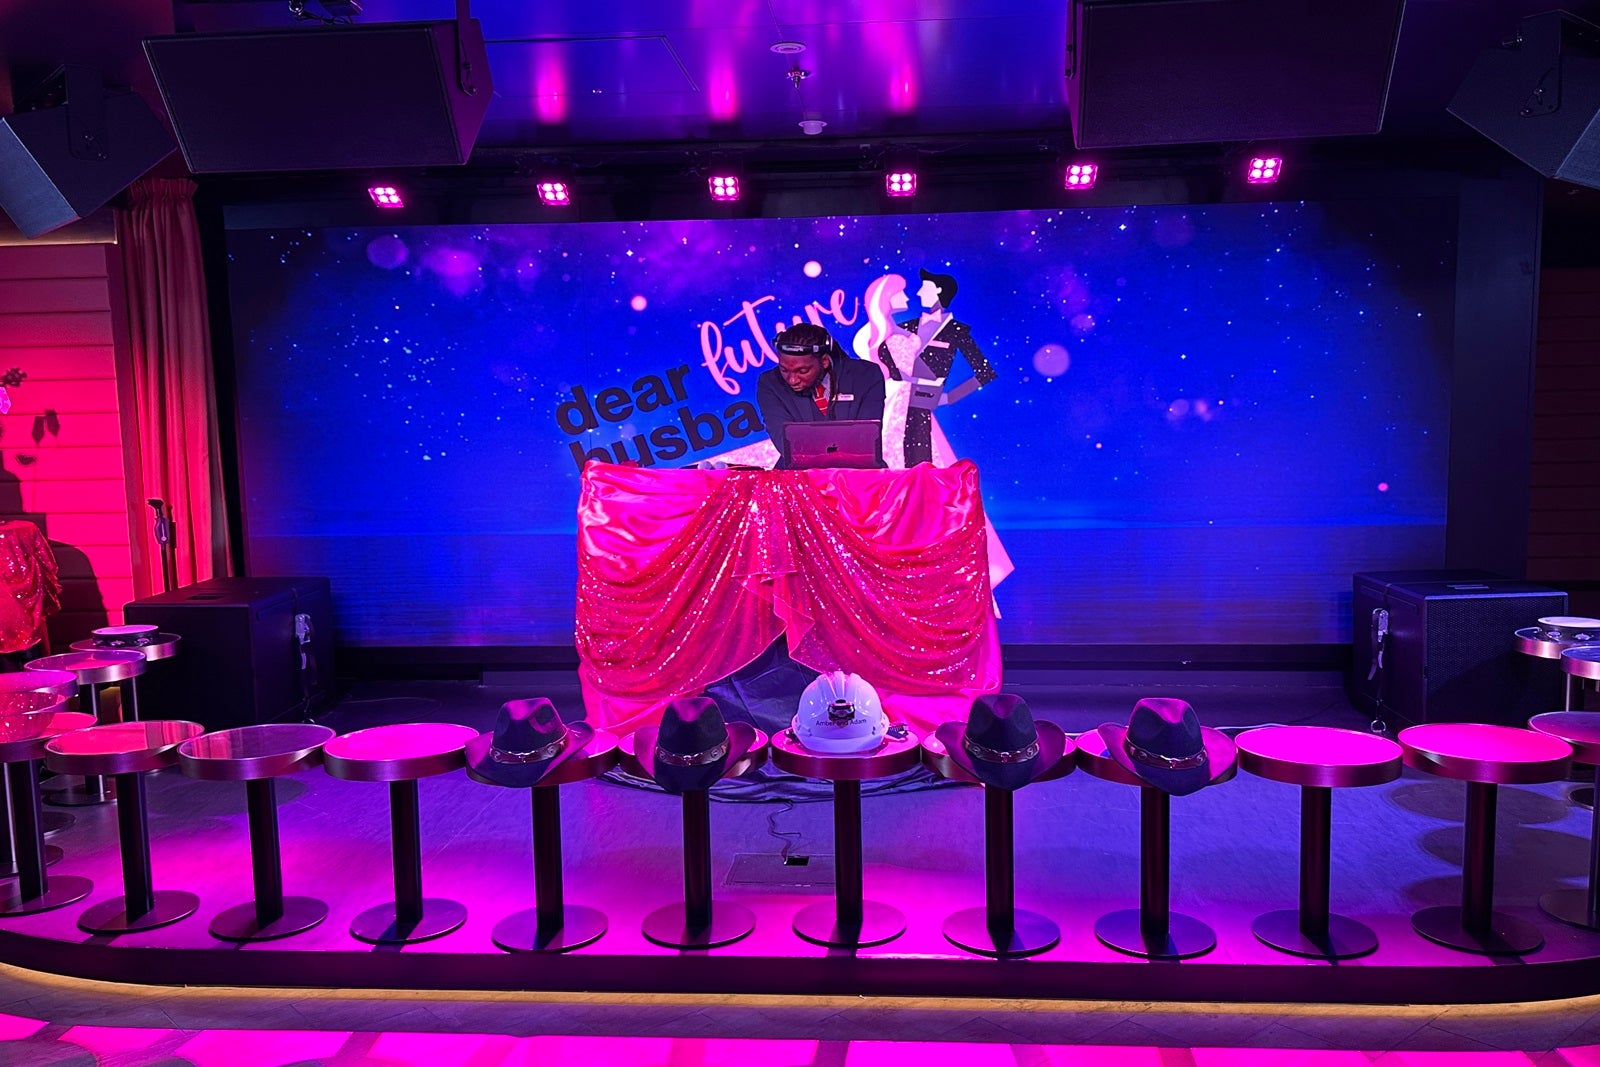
(846, 443)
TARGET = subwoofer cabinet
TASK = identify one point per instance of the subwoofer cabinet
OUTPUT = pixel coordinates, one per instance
(1437, 646)
(254, 650)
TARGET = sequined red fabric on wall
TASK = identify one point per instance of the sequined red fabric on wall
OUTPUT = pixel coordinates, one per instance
(33, 588)
(684, 576)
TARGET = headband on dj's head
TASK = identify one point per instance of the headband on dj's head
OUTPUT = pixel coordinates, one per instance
(826, 347)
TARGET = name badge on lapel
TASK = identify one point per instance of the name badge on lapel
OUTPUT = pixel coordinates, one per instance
(842, 397)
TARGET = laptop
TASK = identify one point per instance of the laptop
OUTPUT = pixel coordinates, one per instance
(846, 443)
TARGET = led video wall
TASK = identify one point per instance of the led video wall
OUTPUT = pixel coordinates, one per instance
(1202, 420)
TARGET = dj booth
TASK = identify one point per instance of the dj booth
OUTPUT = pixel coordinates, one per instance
(685, 576)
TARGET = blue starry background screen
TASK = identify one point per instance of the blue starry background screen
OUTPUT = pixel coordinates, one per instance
(1205, 417)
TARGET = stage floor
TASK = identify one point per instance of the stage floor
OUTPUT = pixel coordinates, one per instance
(1396, 848)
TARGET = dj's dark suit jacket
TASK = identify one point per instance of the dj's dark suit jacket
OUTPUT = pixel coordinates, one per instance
(857, 392)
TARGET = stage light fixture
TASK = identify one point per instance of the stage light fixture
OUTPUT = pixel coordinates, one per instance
(1081, 175)
(554, 192)
(386, 196)
(723, 186)
(1264, 170)
(900, 181)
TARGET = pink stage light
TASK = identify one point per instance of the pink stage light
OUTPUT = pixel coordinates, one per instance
(555, 193)
(1264, 170)
(724, 186)
(900, 183)
(1081, 175)
(386, 196)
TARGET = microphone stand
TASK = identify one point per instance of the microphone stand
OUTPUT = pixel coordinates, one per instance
(169, 552)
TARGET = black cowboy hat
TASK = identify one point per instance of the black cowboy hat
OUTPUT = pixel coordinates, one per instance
(528, 741)
(1165, 745)
(1000, 744)
(692, 748)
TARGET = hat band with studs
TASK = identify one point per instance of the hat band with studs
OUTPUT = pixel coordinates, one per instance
(1160, 762)
(994, 755)
(538, 755)
(692, 759)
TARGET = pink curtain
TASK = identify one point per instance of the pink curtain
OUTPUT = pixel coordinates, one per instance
(684, 576)
(175, 402)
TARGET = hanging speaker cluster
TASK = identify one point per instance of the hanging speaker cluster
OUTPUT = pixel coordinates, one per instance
(402, 94)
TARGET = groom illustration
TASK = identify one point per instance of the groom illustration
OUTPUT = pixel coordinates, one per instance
(940, 337)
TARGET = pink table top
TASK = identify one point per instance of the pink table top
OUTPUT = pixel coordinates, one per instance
(30, 703)
(120, 747)
(31, 681)
(160, 646)
(1318, 756)
(23, 737)
(1580, 729)
(264, 750)
(1482, 752)
(890, 758)
(752, 759)
(399, 752)
(93, 668)
(596, 758)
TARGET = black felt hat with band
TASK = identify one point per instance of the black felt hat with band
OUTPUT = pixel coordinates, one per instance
(1000, 744)
(528, 741)
(1164, 744)
(692, 748)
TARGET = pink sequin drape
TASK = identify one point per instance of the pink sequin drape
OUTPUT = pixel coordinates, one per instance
(684, 576)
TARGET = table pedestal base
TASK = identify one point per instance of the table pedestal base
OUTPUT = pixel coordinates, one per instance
(1502, 935)
(52, 856)
(1583, 796)
(1184, 936)
(819, 923)
(575, 927)
(1343, 939)
(1030, 933)
(1572, 906)
(669, 926)
(54, 822)
(381, 925)
(59, 892)
(242, 923)
(94, 790)
(111, 916)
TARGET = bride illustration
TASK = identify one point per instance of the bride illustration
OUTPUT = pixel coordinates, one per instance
(915, 355)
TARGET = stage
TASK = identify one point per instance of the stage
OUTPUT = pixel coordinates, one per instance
(1396, 848)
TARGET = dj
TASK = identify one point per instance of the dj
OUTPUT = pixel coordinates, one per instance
(815, 381)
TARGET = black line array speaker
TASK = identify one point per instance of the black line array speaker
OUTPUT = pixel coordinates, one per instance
(1162, 72)
(1538, 97)
(58, 164)
(400, 94)
(1438, 646)
(254, 650)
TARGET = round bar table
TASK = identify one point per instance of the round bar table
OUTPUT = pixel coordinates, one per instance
(847, 921)
(13, 706)
(157, 646)
(92, 669)
(1153, 930)
(1535, 641)
(1319, 760)
(999, 929)
(400, 754)
(126, 750)
(694, 922)
(1485, 757)
(257, 755)
(553, 925)
(60, 683)
(1581, 730)
(22, 746)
